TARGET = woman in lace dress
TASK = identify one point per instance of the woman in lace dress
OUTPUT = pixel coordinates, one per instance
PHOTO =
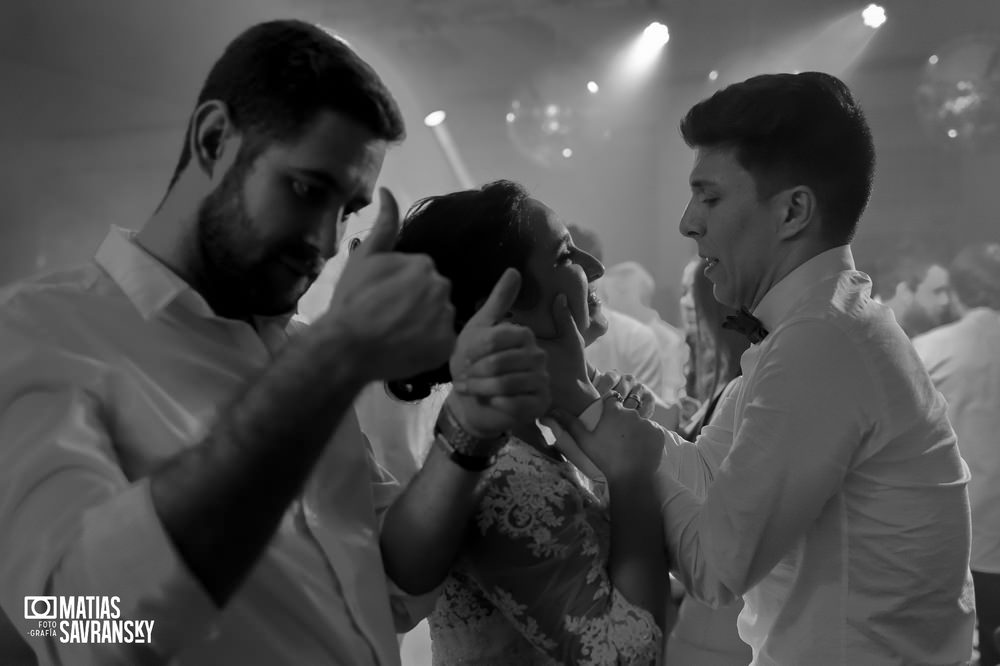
(556, 569)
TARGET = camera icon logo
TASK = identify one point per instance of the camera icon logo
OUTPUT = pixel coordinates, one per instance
(40, 608)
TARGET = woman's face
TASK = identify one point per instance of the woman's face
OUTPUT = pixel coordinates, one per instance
(688, 313)
(559, 267)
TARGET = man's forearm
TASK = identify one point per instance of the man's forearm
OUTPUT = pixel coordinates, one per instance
(221, 501)
(425, 527)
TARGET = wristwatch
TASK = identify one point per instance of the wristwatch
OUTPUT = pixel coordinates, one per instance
(466, 450)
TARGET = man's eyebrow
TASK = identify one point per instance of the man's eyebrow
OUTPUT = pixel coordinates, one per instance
(332, 182)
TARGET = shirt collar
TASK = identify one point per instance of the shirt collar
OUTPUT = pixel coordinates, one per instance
(782, 297)
(150, 285)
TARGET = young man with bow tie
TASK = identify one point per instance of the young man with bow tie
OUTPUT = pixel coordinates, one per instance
(829, 493)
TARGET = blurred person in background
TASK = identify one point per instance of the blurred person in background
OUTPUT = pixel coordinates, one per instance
(628, 288)
(715, 353)
(914, 283)
(963, 359)
(629, 347)
(703, 636)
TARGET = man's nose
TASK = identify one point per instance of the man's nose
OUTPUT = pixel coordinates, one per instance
(689, 225)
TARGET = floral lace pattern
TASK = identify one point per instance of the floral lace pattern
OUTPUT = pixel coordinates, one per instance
(533, 586)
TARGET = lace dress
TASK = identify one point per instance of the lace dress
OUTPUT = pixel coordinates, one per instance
(532, 586)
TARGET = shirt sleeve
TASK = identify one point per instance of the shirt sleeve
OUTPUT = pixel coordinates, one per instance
(695, 464)
(72, 523)
(538, 558)
(803, 419)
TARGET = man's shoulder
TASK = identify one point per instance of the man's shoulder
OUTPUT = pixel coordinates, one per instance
(44, 303)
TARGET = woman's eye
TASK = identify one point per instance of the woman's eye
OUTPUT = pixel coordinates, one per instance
(565, 258)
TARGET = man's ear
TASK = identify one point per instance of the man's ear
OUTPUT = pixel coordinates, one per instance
(213, 140)
(797, 211)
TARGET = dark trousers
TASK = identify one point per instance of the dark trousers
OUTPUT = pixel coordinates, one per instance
(988, 615)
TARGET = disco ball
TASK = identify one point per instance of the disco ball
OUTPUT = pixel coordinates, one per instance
(958, 98)
(556, 120)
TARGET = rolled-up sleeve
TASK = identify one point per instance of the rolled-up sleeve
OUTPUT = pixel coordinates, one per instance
(793, 441)
(72, 524)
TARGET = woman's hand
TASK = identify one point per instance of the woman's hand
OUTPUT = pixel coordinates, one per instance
(498, 370)
(624, 445)
(569, 376)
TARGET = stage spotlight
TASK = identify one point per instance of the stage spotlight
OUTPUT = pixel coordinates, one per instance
(873, 15)
(434, 118)
(655, 36)
(593, 87)
(713, 75)
(933, 60)
(567, 153)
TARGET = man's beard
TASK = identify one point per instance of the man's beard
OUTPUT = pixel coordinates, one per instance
(233, 256)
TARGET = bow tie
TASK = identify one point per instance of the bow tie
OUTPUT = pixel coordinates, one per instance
(747, 324)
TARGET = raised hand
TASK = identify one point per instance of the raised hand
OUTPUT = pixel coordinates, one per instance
(393, 308)
(572, 390)
(498, 371)
(624, 445)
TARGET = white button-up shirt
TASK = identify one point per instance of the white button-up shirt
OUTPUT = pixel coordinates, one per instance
(106, 372)
(963, 360)
(829, 492)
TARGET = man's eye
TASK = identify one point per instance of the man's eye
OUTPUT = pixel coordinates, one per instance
(303, 190)
(353, 245)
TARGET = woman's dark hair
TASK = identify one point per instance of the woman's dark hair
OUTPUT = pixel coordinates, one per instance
(716, 351)
(794, 129)
(277, 76)
(473, 236)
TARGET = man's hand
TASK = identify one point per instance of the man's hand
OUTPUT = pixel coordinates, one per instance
(569, 377)
(623, 446)
(635, 394)
(498, 370)
(394, 308)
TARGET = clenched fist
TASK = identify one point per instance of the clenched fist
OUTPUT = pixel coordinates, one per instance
(393, 309)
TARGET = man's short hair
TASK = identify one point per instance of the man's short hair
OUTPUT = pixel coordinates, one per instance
(275, 77)
(975, 275)
(794, 129)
